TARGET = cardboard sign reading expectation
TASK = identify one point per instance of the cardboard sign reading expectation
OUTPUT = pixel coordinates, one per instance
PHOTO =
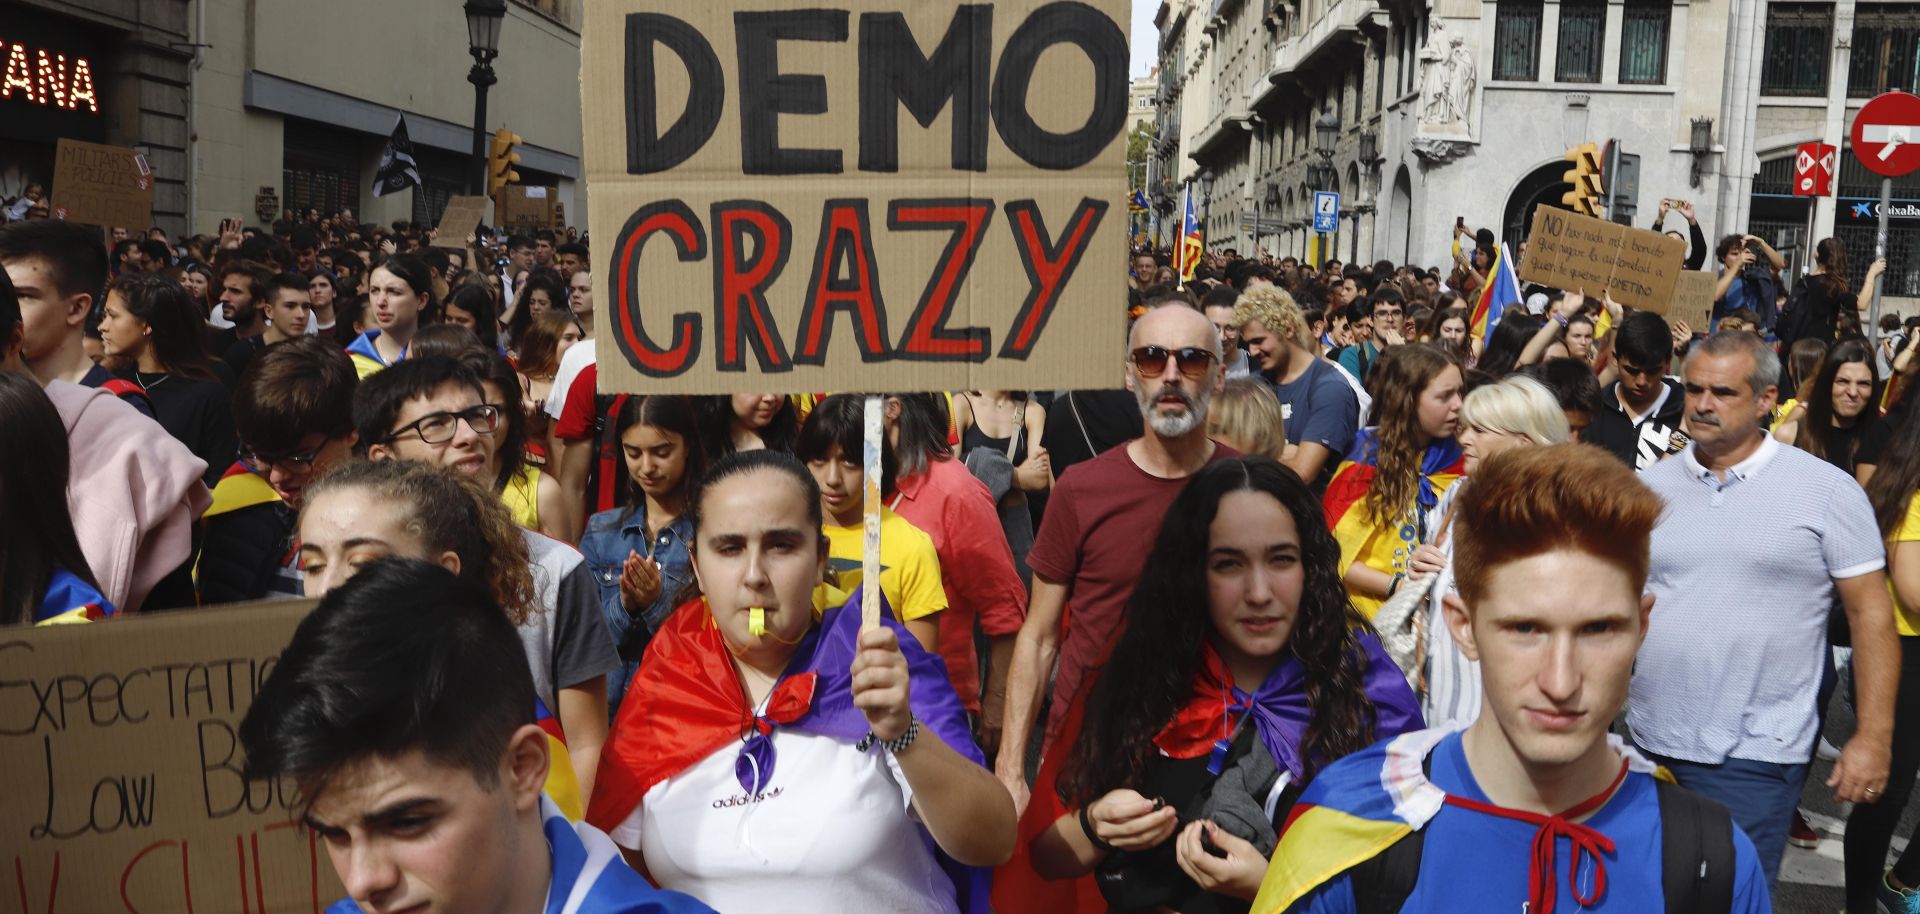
(861, 195)
(1569, 251)
(118, 746)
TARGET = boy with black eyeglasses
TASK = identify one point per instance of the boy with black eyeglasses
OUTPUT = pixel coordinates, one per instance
(434, 412)
(293, 413)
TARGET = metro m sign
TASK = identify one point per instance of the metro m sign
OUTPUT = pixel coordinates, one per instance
(1813, 167)
(759, 189)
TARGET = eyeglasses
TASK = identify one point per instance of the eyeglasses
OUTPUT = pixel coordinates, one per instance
(291, 463)
(439, 428)
(1192, 361)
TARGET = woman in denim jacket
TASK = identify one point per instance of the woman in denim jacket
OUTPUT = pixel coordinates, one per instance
(639, 553)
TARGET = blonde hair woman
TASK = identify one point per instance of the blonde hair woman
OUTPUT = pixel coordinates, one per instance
(1516, 412)
(1246, 416)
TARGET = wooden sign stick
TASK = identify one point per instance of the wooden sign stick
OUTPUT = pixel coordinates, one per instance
(870, 546)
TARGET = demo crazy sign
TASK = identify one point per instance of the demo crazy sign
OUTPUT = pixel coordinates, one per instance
(118, 747)
(863, 195)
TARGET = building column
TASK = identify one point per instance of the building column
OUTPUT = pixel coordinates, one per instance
(1736, 163)
(1834, 130)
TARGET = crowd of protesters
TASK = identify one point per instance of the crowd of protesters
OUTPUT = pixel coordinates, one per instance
(1348, 562)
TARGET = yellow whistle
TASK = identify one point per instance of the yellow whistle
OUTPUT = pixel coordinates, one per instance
(757, 621)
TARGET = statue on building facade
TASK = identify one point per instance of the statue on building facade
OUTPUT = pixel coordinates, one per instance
(1447, 84)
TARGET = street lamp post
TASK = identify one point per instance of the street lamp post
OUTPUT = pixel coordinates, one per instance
(483, 42)
(1326, 132)
(1206, 207)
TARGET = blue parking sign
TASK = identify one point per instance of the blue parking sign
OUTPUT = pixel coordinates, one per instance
(1326, 211)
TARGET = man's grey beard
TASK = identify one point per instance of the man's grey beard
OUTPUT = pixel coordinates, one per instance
(1174, 426)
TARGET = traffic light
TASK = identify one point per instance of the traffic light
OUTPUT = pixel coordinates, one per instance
(1584, 175)
(501, 160)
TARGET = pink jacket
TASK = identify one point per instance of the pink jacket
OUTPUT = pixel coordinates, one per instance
(135, 492)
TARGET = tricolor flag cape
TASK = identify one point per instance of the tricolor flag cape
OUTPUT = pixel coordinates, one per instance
(685, 704)
(1502, 290)
(1361, 538)
(1359, 807)
(1281, 714)
(589, 877)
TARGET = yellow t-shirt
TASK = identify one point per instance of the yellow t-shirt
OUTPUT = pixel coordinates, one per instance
(1905, 619)
(1781, 412)
(522, 496)
(909, 568)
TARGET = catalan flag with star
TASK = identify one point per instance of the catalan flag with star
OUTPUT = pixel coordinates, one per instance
(1384, 546)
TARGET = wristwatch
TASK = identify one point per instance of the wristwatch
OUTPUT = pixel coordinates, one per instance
(896, 745)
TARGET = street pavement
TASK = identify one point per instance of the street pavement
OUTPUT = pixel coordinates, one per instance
(1811, 881)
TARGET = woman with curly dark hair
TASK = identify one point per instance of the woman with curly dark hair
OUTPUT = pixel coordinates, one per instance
(1243, 670)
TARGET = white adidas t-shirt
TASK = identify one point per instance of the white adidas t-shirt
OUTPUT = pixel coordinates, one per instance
(832, 831)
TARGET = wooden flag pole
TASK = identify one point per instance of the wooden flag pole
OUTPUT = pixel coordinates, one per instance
(870, 545)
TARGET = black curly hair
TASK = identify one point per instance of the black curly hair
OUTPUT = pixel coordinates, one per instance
(1150, 674)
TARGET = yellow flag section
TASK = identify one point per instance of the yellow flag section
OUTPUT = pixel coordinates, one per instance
(118, 748)
(1386, 546)
(865, 195)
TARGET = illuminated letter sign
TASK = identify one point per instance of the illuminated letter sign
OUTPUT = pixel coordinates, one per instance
(48, 79)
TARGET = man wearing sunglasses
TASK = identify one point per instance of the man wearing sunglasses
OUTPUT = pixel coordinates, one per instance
(435, 412)
(293, 411)
(1101, 518)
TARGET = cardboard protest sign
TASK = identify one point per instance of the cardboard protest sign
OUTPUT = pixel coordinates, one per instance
(101, 185)
(1569, 251)
(462, 216)
(526, 207)
(118, 749)
(859, 195)
(1692, 300)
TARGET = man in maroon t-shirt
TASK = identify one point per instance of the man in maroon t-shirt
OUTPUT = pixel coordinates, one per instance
(1102, 518)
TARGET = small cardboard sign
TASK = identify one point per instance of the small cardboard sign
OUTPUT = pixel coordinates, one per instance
(520, 206)
(862, 195)
(1692, 301)
(1569, 251)
(102, 185)
(462, 216)
(118, 747)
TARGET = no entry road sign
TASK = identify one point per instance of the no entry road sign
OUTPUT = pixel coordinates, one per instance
(1886, 134)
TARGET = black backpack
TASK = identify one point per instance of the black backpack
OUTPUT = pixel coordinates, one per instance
(1696, 859)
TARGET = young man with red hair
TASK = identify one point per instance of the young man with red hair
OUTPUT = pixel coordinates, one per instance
(1534, 806)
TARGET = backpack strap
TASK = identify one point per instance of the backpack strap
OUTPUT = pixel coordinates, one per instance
(1382, 884)
(127, 390)
(1696, 851)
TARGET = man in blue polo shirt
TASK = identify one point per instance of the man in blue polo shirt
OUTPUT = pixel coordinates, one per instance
(1535, 806)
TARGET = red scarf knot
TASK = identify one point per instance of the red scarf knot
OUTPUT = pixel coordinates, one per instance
(790, 701)
(1588, 843)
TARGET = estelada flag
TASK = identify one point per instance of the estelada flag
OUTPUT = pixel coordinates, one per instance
(1363, 804)
(1187, 253)
(1501, 290)
(685, 704)
(1384, 546)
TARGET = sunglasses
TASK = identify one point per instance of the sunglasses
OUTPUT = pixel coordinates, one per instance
(1192, 361)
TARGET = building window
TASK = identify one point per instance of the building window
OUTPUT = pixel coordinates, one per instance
(1516, 39)
(1885, 40)
(1798, 37)
(1643, 42)
(1583, 38)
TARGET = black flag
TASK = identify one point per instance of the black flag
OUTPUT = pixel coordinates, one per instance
(398, 171)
